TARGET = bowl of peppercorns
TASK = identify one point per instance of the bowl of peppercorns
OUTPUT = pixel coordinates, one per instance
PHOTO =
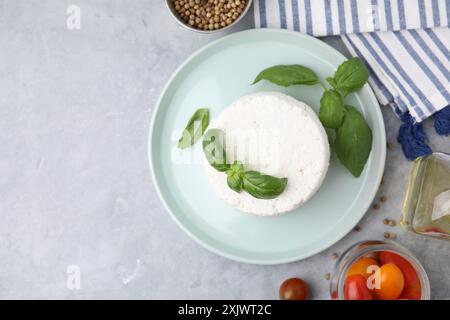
(207, 16)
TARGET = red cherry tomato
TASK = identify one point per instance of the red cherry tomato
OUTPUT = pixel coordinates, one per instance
(432, 230)
(412, 289)
(356, 288)
(294, 289)
(334, 295)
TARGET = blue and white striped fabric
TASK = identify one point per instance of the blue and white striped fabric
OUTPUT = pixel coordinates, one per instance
(405, 43)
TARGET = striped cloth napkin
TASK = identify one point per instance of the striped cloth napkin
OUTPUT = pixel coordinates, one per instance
(404, 43)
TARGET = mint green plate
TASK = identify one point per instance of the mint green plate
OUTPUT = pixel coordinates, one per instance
(215, 76)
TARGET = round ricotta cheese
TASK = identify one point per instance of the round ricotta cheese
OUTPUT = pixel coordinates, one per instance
(277, 135)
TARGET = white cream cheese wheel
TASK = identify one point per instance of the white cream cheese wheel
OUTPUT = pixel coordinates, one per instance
(274, 134)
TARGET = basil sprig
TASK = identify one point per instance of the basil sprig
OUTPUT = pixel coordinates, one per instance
(195, 128)
(288, 75)
(258, 185)
(353, 141)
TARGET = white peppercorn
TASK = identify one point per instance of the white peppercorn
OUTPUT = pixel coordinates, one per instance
(209, 14)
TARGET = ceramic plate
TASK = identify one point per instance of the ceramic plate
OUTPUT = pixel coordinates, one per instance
(215, 76)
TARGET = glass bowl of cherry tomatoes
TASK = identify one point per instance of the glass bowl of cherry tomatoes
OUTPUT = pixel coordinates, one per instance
(379, 270)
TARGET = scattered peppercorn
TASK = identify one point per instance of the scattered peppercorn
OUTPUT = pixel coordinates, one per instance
(334, 256)
(390, 235)
(376, 206)
(327, 276)
(383, 199)
(391, 223)
(357, 228)
(209, 14)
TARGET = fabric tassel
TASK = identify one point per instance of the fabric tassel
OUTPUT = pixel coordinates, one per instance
(412, 137)
(442, 121)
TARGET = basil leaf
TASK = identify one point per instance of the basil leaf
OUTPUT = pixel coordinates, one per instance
(214, 149)
(353, 141)
(350, 76)
(288, 75)
(263, 186)
(195, 127)
(331, 81)
(332, 109)
(235, 175)
(331, 134)
(256, 184)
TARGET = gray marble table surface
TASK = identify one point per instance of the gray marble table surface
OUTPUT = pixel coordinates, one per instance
(75, 187)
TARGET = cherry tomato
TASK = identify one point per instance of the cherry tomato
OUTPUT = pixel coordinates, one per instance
(361, 267)
(356, 288)
(412, 290)
(334, 295)
(433, 230)
(294, 289)
(391, 282)
(373, 255)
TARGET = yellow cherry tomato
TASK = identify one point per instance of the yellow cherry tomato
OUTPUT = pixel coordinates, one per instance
(391, 282)
(361, 267)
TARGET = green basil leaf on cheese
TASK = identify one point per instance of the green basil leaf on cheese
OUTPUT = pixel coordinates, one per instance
(235, 176)
(214, 149)
(263, 186)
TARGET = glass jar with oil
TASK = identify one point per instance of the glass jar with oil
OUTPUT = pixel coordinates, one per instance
(426, 209)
